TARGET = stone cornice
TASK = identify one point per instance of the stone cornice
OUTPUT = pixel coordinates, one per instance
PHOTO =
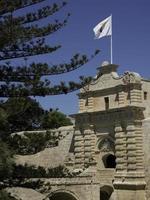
(118, 88)
(126, 113)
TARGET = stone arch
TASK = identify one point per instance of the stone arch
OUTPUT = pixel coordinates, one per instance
(62, 194)
(109, 160)
(106, 192)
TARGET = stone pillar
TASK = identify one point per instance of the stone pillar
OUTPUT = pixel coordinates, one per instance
(121, 99)
(84, 147)
(146, 143)
(90, 104)
(79, 149)
(81, 105)
(89, 146)
(131, 148)
(135, 97)
(129, 180)
(121, 153)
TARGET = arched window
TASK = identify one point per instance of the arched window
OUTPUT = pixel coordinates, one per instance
(109, 161)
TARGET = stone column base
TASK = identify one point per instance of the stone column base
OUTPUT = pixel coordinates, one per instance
(121, 194)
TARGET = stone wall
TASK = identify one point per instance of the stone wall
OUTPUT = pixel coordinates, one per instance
(50, 157)
(25, 194)
(146, 146)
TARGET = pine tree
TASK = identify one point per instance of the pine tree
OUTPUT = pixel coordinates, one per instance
(23, 37)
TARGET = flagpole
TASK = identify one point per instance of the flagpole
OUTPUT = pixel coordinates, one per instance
(111, 49)
(104, 28)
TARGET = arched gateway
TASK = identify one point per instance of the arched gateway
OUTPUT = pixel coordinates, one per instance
(62, 195)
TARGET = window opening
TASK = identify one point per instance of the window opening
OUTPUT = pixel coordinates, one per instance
(106, 192)
(106, 103)
(109, 161)
(86, 102)
(145, 95)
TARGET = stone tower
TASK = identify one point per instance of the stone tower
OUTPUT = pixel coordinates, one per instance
(109, 125)
(108, 148)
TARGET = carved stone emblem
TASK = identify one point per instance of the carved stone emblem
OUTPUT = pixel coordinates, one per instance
(106, 145)
(131, 77)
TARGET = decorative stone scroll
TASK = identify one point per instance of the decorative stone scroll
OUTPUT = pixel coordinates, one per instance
(131, 77)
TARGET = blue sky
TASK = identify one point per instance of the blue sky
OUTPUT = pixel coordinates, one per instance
(131, 42)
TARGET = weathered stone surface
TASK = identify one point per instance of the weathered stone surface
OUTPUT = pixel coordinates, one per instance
(26, 194)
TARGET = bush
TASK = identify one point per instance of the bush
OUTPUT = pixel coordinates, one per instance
(21, 172)
(6, 160)
(6, 196)
(32, 142)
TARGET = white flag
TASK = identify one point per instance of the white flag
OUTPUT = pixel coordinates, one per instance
(104, 28)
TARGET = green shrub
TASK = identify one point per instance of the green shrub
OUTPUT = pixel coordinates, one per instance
(32, 142)
(6, 196)
(6, 160)
(21, 172)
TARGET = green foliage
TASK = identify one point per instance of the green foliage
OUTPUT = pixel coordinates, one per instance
(6, 160)
(6, 196)
(23, 114)
(32, 142)
(24, 36)
(34, 184)
(54, 119)
(10, 6)
(21, 172)
(4, 125)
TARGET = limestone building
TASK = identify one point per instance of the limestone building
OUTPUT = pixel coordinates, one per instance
(113, 122)
(109, 144)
